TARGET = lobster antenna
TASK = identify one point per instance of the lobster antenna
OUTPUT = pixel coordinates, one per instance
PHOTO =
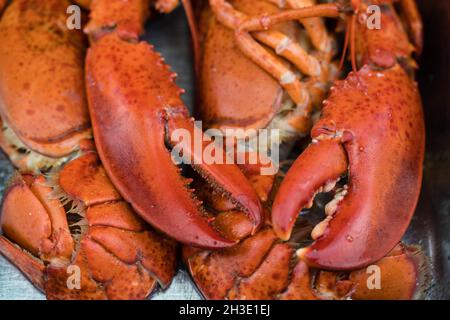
(346, 43)
(194, 34)
(353, 41)
(350, 40)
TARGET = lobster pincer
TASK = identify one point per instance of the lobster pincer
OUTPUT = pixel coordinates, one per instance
(134, 105)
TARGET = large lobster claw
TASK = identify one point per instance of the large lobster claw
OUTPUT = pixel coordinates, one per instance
(41, 81)
(261, 267)
(134, 105)
(372, 123)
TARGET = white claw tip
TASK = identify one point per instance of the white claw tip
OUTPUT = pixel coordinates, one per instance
(301, 252)
(288, 77)
(282, 45)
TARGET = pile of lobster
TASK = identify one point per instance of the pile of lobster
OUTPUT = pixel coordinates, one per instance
(88, 125)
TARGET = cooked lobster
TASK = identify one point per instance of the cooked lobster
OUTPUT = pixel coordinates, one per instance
(73, 219)
(42, 84)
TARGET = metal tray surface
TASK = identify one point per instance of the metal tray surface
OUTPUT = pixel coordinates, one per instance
(431, 224)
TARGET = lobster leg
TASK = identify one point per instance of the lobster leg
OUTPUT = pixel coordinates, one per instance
(33, 269)
(277, 40)
(283, 47)
(290, 50)
(190, 16)
(314, 26)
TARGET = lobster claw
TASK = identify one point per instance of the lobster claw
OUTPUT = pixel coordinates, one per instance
(134, 104)
(41, 67)
(372, 122)
(32, 221)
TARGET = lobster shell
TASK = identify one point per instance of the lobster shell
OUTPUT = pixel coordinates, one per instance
(133, 96)
(42, 96)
